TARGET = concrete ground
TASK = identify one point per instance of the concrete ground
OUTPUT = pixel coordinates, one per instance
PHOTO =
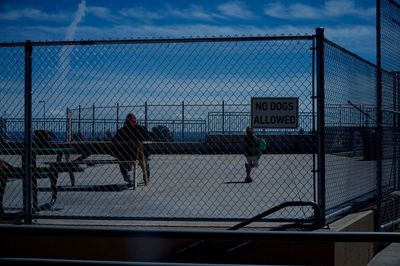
(204, 186)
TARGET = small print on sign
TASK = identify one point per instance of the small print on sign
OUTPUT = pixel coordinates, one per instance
(274, 112)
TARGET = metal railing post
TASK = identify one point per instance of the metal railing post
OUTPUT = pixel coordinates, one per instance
(68, 126)
(145, 114)
(183, 121)
(223, 117)
(321, 121)
(79, 119)
(117, 125)
(27, 182)
(378, 117)
(93, 122)
(396, 128)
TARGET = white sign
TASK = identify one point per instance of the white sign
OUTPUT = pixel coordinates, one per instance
(274, 112)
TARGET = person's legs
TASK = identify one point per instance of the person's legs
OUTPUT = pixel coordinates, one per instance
(252, 162)
(248, 167)
(126, 171)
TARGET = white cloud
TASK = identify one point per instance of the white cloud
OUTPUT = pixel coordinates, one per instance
(101, 12)
(330, 9)
(32, 13)
(140, 13)
(192, 12)
(339, 8)
(235, 9)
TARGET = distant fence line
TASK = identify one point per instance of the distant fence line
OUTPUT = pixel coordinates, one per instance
(230, 123)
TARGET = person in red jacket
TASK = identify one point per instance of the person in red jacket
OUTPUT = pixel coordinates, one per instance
(125, 151)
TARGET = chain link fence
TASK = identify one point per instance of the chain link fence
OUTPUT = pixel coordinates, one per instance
(388, 88)
(350, 128)
(192, 95)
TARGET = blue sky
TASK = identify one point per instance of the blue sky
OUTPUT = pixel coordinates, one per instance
(350, 23)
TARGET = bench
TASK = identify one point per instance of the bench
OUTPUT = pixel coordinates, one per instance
(8, 172)
(133, 164)
(74, 166)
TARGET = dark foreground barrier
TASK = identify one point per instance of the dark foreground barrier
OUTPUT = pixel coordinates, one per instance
(167, 246)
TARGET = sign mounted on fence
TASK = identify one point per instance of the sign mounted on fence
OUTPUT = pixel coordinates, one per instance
(270, 112)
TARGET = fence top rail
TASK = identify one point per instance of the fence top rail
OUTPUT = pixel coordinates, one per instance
(163, 40)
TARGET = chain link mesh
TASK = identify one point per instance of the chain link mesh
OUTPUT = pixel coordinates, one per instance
(194, 99)
(390, 64)
(12, 104)
(350, 125)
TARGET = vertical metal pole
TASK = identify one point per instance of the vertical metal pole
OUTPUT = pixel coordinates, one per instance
(397, 108)
(116, 126)
(145, 114)
(394, 130)
(313, 118)
(44, 113)
(321, 121)
(397, 128)
(378, 117)
(183, 120)
(93, 121)
(67, 126)
(27, 182)
(79, 119)
(223, 117)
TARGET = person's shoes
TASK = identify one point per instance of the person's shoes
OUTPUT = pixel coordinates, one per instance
(128, 177)
(248, 180)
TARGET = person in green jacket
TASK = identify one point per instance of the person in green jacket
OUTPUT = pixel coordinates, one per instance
(252, 158)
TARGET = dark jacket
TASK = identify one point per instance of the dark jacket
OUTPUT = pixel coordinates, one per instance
(124, 150)
(251, 145)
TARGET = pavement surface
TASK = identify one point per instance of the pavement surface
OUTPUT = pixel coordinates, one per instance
(202, 187)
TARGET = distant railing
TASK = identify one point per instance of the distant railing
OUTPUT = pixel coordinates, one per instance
(230, 123)
(235, 123)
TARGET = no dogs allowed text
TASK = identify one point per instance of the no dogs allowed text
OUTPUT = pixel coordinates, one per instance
(272, 112)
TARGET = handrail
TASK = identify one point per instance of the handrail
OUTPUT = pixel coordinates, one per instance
(7, 230)
(259, 217)
(280, 207)
(41, 261)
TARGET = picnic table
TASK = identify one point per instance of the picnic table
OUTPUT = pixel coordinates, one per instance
(7, 171)
(87, 148)
(83, 149)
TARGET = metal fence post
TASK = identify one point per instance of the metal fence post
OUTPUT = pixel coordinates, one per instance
(397, 131)
(79, 119)
(117, 125)
(183, 120)
(145, 114)
(66, 125)
(321, 121)
(378, 117)
(394, 129)
(223, 117)
(93, 122)
(27, 182)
